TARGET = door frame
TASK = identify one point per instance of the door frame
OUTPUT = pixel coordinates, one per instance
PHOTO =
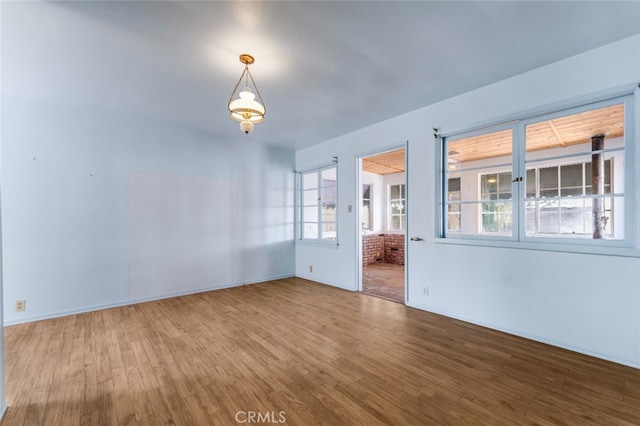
(358, 216)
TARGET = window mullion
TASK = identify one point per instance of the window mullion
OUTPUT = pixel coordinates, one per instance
(320, 202)
(519, 187)
(299, 212)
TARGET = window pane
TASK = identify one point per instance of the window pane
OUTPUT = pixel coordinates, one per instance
(453, 217)
(366, 206)
(310, 214)
(366, 191)
(453, 208)
(328, 231)
(496, 217)
(329, 174)
(328, 214)
(329, 195)
(531, 183)
(397, 207)
(394, 192)
(366, 215)
(571, 180)
(504, 186)
(489, 185)
(572, 217)
(310, 230)
(548, 182)
(531, 217)
(396, 223)
(607, 177)
(482, 163)
(496, 186)
(454, 185)
(549, 216)
(310, 198)
(310, 180)
(553, 137)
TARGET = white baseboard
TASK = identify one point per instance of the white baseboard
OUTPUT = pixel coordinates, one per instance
(127, 302)
(316, 280)
(525, 335)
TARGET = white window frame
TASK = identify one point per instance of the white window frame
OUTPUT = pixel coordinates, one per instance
(390, 214)
(300, 220)
(629, 246)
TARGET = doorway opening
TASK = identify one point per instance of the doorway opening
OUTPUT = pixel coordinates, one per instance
(383, 206)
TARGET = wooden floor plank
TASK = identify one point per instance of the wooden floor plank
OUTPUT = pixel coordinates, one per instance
(309, 352)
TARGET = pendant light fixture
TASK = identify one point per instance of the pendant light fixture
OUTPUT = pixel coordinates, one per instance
(246, 109)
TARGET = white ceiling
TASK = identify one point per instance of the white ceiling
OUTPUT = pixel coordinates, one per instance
(323, 68)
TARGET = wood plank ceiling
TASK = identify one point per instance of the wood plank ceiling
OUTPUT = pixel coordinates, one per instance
(559, 132)
(385, 163)
(556, 133)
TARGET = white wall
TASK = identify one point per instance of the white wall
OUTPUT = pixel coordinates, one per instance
(588, 303)
(101, 209)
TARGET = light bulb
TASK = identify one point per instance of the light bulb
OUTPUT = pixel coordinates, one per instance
(246, 127)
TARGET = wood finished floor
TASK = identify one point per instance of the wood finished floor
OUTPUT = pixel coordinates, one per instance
(319, 354)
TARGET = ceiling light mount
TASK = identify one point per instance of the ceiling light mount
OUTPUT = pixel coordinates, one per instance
(247, 59)
(246, 109)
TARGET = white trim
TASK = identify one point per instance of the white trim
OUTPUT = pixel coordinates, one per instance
(318, 242)
(406, 223)
(315, 280)
(549, 244)
(118, 304)
(359, 233)
(519, 333)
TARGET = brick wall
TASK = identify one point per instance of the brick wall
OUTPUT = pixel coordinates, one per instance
(372, 248)
(394, 248)
(387, 248)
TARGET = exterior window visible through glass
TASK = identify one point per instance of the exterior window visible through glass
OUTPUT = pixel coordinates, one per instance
(563, 205)
(568, 181)
(318, 219)
(560, 155)
(366, 207)
(453, 205)
(496, 216)
(396, 207)
(479, 168)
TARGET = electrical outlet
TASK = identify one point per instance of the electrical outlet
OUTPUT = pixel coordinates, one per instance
(425, 291)
(21, 305)
(310, 268)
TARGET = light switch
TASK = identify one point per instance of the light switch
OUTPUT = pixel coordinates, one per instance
(349, 208)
